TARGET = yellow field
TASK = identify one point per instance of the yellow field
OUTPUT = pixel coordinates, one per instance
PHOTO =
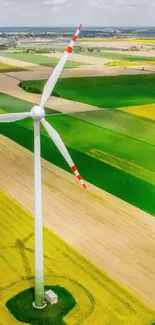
(121, 64)
(89, 39)
(143, 40)
(100, 300)
(9, 68)
(147, 111)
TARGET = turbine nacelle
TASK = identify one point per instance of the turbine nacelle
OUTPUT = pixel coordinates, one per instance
(37, 113)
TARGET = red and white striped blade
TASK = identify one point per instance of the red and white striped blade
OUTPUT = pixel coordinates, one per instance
(74, 169)
(57, 71)
(61, 147)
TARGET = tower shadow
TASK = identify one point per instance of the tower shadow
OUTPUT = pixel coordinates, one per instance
(20, 245)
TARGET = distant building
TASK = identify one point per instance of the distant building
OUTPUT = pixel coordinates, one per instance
(31, 51)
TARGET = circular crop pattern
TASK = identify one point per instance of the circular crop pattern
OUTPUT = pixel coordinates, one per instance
(22, 309)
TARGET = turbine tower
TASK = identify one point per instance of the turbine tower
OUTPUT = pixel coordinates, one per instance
(37, 113)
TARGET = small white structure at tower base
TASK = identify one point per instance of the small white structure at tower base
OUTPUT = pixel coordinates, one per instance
(51, 297)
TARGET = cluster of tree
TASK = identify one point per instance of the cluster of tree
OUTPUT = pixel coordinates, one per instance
(93, 49)
(39, 51)
(79, 49)
(3, 47)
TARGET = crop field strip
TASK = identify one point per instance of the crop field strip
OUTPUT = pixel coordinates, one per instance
(9, 68)
(116, 158)
(108, 160)
(104, 92)
(12, 104)
(90, 39)
(118, 217)
(122, 57)
(39, 59)
(93, 290)
(146, 111)
(121, 121)
(121, 64)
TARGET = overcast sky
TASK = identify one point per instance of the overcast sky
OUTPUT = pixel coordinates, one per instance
(72, 12)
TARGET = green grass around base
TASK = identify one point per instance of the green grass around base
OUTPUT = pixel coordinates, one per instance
(21, 307)
(106, 92)
(39, 59)
(9, 68)
(113, 162)
(133, 126)
(12, 104)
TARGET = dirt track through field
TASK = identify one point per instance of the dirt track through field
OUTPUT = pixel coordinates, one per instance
(117, 237)
(121, 44)
(9, 86)
(149, 53)
(18, 63)
(81, 58)
(84, 71)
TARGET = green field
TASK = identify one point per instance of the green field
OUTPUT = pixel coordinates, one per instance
(112, 161)
(96, 298)
(9, 68)
(121, 57)
(106, 92)
(140, 128)
(39, 59)
(12, 104)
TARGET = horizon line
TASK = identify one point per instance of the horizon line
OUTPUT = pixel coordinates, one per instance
(86, 26)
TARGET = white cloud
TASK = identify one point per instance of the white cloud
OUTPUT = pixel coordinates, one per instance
(56, 8)
(33, 14)
(93, 3)
(53, 2)
(133, 3)
(71, 12)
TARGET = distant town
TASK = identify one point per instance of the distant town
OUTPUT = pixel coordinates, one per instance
(12, 37)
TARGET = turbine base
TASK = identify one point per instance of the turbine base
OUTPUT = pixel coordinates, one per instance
(42, 307)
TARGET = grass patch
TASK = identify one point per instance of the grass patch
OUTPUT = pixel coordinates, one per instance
(39, 59)
(109, 92)
(9, 68)
(95, 151)
(121, 57)
(98, 298)
(12, 104)
(21, 307)
(2, 111)
(119, 121)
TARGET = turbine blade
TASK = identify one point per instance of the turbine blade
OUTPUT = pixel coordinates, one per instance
(48, 88)
(61, 147)
(11, 117)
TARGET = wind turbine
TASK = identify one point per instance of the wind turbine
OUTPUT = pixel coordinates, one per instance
(37, 113)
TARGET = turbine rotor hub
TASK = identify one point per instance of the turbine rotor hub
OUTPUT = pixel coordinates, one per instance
(37, 113)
